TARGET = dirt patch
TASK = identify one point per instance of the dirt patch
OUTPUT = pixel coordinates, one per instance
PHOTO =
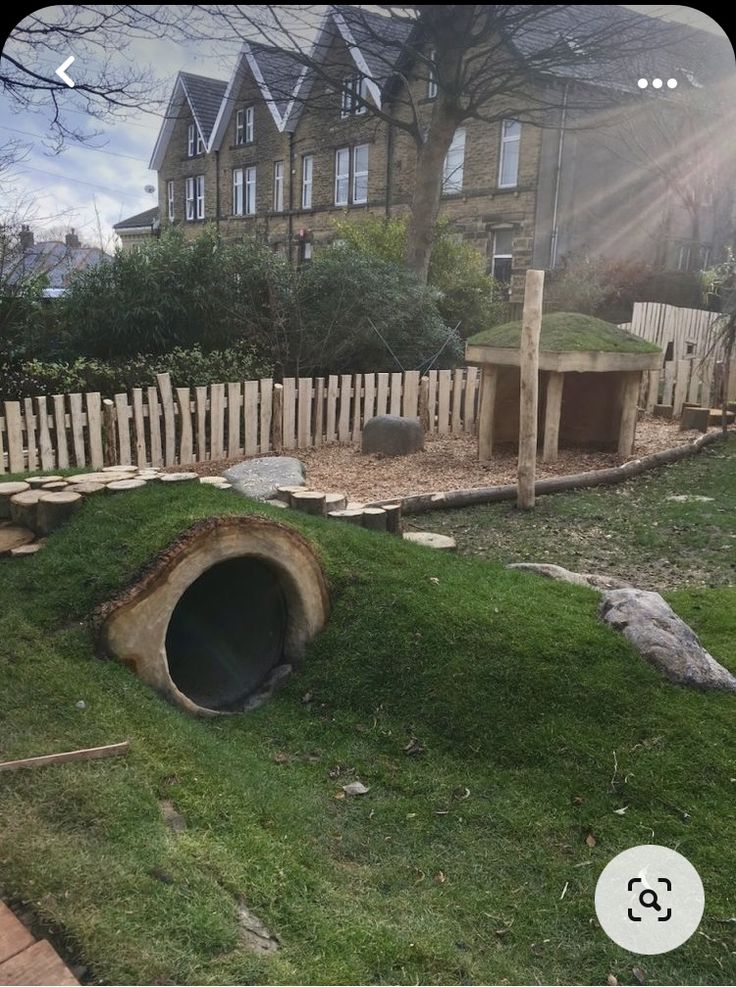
(448, 462)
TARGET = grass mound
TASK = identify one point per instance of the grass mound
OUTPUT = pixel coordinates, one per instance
(497, 723)
(568, 331)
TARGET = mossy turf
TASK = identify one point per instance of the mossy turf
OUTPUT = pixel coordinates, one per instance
(568, 331)
(473, 860)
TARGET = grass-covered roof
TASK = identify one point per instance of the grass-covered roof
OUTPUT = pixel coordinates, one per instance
(568, 331)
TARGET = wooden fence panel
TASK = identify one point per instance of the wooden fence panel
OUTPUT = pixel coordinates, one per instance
(121, 411)
(332, 385)
(382, 394)
(458, 380)
(357, 404)
(681, 385)
(77, 428)
(289, 399)
(217, 422)
(669, 382)
(14, 437)
(62, 449)
(693, 390)
(48, 460)
(93, 403)
(369, 397)
(154, 427)
(186, 431)
(343, 431)
(266, 411)
(167, 404)
(443, 410)
(139, 428)
(200, 414)
(2, 446)
(319, 411)
(234, 447)
(471, 384)
(432, 401)
(410, 407)
(395, 405)
(30, 423)
(304, 413)
(250, 417)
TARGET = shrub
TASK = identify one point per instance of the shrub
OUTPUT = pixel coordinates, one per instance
(466, 294)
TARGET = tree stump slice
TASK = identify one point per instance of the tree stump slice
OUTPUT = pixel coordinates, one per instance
(90, 478)
(127, 468)
(348, 517)
(284, 493)
(54, 487)
(23, 508)
(120, 486)
(354, 505)
(393, 518)
(8, 490)
(88, 488)
(30, 549)
(309, 502)
(36, 482)
(56, 508)
(177, 477)
(213, 481)
(335, 502)
(13, 536)
(431, 540)
(374, 518)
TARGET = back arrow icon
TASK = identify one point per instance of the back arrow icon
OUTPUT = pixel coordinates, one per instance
(61, 72)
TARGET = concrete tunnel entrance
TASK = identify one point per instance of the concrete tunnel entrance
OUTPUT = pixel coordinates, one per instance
(227, 633)
(220, 617)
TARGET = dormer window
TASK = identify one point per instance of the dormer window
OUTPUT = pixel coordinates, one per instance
(244, 125)
(195, 144)
(432, 78)
(354, 91)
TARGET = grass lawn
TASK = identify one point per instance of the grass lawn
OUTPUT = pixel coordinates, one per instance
(474, 861)
(568, 331)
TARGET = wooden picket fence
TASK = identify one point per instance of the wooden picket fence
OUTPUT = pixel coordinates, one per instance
(694, 370)
(166, 426)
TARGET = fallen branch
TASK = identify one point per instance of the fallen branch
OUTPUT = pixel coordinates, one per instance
(86, 754)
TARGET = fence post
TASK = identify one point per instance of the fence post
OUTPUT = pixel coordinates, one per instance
(424, 403)
(109, 439)
(529, 370)
(277, 419)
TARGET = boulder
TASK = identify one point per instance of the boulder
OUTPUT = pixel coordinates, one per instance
(260, 478)
(666, 641)
(551, 571)
(390, 435)
(430, 540)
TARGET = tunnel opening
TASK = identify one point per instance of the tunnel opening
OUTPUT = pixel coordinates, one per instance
(227, 633)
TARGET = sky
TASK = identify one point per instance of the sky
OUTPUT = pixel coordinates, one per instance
(92, 186)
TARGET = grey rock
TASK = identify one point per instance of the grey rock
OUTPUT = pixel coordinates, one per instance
(666, 641)
(253, 933)
(391, 435)
(590, 579)
(259, 478)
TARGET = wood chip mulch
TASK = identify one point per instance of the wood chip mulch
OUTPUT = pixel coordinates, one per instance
(448, 462)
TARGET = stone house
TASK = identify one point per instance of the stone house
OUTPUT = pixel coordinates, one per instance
(280, 152)
(55, 262)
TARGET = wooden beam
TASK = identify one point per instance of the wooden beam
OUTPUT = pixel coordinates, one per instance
(629, 409)
(555, 383)
(85, 754)
(486, 412)
(531, 325)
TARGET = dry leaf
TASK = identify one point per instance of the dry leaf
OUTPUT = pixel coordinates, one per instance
(591, 840)
(355, 788)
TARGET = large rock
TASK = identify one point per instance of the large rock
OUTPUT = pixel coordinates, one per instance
(259, 478)
(391, 435)
(551, 571)
(655, 630)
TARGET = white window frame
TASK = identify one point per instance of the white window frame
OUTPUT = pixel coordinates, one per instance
(432, 78)
(199, 191)
(278, 186)
(495, 255)
(191, 131)
(354, 88)
(200, 143)
(360, 174)
(189, 199)
(249, 133)
(342, 177)
(249, 198)
(506, 142)
(307, 179)
(239, 127)
(237, 191)
(453, 169)
(170, 199)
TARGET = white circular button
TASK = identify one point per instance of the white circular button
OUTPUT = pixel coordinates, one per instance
(672, 83)
(649, 899)
(642, 83)
(657, 83)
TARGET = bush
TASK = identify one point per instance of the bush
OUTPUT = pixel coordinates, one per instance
(466, 294)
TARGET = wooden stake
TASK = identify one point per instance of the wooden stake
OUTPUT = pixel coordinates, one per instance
(424, 403)
(629, 408)
(109, 440)
(531, 326)
(552, 417)
(486, 412)
(277, 419)
(85, 754)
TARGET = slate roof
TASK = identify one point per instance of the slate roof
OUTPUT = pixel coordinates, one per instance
(281, 71)
(146, 218)
(54, 259)
(205, 96)
(380, 39)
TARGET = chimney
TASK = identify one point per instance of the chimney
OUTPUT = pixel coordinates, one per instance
(26, 237)
(72, 240)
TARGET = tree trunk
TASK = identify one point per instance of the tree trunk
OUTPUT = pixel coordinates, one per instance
(425, 203)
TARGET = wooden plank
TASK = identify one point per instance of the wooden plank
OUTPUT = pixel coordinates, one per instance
(707, 376)
(234, 401)
(693, 390)
(38, 965)
(139, 427)
(77, 423)
(382, 394)
(629, 412)
(343, 429)
(48, 460)
(2, 446)
(14, 936)
(200, 404)
(167, 403)
(14, 437)
(289, 405)
(395, 404)
(487, 412)
(681, 384)
(332, 388)
(369, 397)
(30, 424)
(432, 400)
(553, 407)
(84, 754)
(457, 397)
(121, 411)
(250, 417)
(186, 436)
(443, 410)
(265, 413)
(357, 412)
(319, 411)
(62, 449)
(304, 413)
(93, 402)
(653, 389)
(531, 324)
(471, 385)
(277, 419)
(217, 421)
(410, 405)
(154, 427)
(669, 382)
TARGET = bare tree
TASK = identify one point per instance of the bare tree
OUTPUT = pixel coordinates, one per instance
(487, 62)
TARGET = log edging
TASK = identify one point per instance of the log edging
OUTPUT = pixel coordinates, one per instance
(444, 499)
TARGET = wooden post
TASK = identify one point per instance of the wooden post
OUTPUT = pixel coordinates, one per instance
(531, 325)
(424, 403)
(277, 419)
(629, 411)
(555, 383)
(486, 412)
(109, 439)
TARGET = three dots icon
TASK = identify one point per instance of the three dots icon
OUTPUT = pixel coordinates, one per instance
(657, 83)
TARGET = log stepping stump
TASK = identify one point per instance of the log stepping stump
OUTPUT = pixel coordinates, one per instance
(348, 516)
(374, 518)
(55, 487)
(24, 507)
(177, 477)
(30, 549)
(38, 481)
(13, 536)
(120, 486)
(335, 502)
(89, 488)
(25, 961)
(431, 540)
(309, 502)
(8, 490)
(54, 509)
